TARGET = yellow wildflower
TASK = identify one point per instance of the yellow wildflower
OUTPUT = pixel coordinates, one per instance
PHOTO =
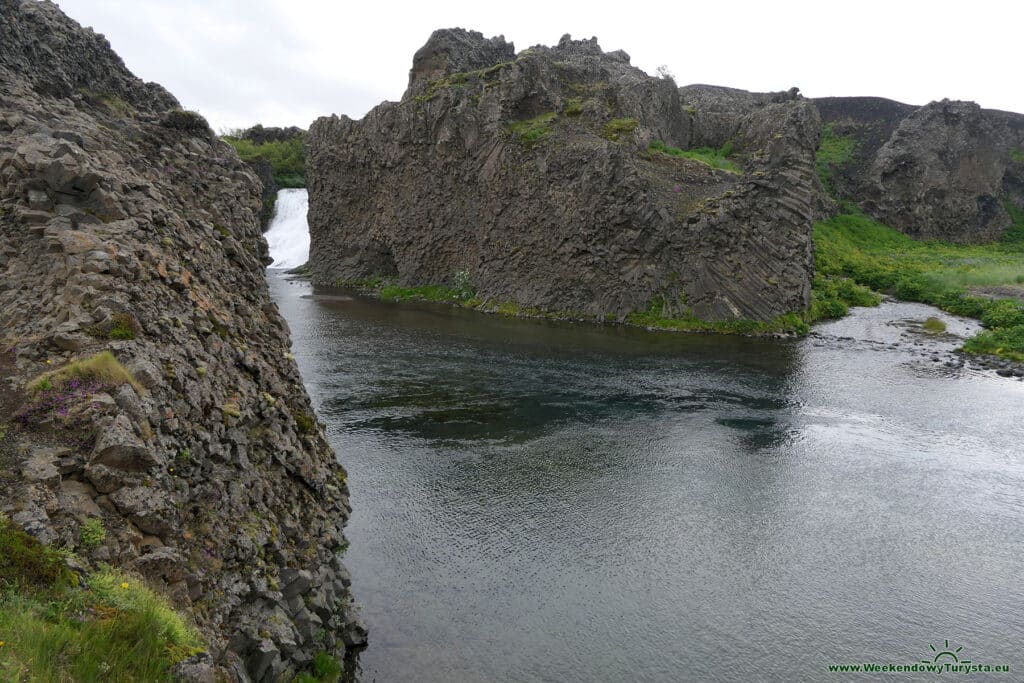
(124, 584)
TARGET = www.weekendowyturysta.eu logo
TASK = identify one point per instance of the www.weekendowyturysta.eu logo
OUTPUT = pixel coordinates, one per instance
(947, 658)
(946, 652)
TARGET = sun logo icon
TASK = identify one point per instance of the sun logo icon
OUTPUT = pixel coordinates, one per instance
(946, 652)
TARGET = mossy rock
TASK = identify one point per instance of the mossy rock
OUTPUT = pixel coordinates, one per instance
(27, 564)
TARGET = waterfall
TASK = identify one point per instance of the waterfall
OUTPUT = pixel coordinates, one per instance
(288, 235)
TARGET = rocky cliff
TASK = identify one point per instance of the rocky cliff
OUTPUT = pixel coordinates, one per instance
(146, 374)
(946, 170)
(557, 178)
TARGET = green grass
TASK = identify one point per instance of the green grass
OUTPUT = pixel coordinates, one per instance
(287, 157)
(933, 325)
(834, 150)
(654, 317)
(109, 627)
(937, 273)
(102, 367)
(1007, 342)
(715, 158)
(832, 296)
(533, 130)
(618, 128)
(1017, 155)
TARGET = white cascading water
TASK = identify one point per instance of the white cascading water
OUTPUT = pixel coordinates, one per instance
(288, 235)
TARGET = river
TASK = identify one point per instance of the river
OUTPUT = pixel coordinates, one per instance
(541, 501)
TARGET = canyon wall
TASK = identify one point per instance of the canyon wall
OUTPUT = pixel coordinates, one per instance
(127, 228)
(533, 176)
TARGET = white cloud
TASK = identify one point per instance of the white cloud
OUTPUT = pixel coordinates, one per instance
(285, 63)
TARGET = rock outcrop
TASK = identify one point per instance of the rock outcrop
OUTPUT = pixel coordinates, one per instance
(946, 170)
(531, 174)
(131, 260)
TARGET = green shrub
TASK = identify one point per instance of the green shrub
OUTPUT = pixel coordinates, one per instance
(124, 327)
(1003, 313)
(326, 668)
(190, 122)
(287, 158)
(305, 422)
(462, 286)
(1015, 233)
(933, 325)
(1007, 342)
(92, 533)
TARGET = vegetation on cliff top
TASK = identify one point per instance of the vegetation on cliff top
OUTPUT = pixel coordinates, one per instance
(57, 625)
(287, 158)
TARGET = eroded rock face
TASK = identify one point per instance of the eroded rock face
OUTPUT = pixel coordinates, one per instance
(942, 171)
(531, 174)
(120, 212)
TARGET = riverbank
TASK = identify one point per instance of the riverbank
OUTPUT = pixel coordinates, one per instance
(858, 260)
(985, 282)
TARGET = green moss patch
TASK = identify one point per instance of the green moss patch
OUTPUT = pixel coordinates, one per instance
(534, 130)
(715, 158)
(616, 129)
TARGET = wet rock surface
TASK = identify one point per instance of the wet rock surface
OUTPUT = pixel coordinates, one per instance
(125, 226)
(529, 174)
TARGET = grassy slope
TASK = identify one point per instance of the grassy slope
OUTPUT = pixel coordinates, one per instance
(55, 626)
(937, 273)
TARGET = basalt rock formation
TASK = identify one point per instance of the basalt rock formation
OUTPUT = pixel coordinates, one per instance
(946, 170)
(534, 176)
(127, 227)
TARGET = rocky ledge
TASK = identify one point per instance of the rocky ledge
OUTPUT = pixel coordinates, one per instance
(559, 178)
(146, 374)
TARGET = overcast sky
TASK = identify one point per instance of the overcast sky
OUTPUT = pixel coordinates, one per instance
(285, 62)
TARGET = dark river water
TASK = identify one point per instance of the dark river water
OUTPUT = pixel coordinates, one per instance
(536, 501)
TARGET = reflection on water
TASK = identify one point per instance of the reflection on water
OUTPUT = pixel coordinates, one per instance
(536, 501)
